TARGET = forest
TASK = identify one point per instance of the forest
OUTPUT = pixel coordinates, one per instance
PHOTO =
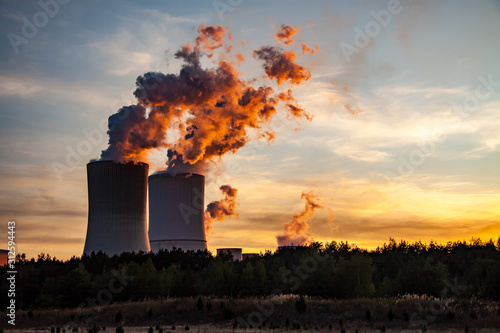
(336, 270)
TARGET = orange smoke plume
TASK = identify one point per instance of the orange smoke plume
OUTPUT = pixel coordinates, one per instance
(296, 232)
(285, 34)
(218, 210)
(212, 111)
(211, 37)
(280, 65)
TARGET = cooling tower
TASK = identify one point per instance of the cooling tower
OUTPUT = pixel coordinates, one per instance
(117, 208)
(176, 211)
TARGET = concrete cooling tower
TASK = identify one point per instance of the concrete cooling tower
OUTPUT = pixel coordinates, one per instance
(176, 211)
(117, 207)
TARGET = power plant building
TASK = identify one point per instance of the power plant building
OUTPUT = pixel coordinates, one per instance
(4, 257)
(250, 255)
(235, 252)
(117, 195)
(176, 207)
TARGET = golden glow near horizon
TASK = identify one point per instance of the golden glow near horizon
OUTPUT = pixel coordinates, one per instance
(419, 162)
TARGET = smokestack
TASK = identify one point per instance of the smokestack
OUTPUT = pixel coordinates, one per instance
(117, 208)
(176, 203)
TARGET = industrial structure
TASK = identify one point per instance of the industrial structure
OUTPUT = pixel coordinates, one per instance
(250, 255)
(176, 207)
(4, 257)
(287, 247)
(117, 195)
(235, 252)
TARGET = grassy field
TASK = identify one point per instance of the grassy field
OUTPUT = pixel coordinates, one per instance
(280, 314)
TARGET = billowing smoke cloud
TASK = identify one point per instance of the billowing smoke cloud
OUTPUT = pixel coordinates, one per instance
(210, 111)
(210, 38)
(280, 65)
(218, 210)
(296, 232)
(285, 34)
(200, 114)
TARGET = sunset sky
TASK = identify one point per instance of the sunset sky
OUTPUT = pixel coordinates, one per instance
(419, 161)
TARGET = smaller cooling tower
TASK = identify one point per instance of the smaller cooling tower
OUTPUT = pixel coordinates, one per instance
(235, 252)
(117, 208)
(176, 206)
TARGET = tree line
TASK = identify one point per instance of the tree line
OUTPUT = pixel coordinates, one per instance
(333, 270)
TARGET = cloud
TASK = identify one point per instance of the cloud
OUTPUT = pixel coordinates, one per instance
(159, 16)
(360, 153)
(16, 86)
(38, 196)
(51, 89)
(121, 52)
(419, 91)
(24, 211)
(368, 211)
(140, 43)
(40, 242)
